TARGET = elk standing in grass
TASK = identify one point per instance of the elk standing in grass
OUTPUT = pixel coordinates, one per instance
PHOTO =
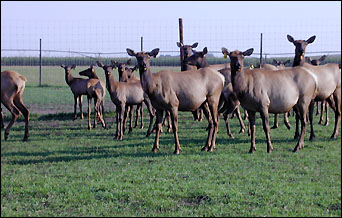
(268, 91)
(12, 89)
(329, 84)
(126, 75)
(231, 103)
(324, 104)
(93, 88)
(125, 94)
(181, 91)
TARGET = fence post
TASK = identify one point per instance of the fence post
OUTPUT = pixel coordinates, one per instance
(181, 41)
(260, 62)
(40, 62)
(141, 43)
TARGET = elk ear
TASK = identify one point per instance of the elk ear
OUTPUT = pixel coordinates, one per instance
(128, 62)
(92, 66)
(130, 52)
(311, 39)
(114, 64)
(73, 66)
(322, 58)
(99, 64)
(248, 52)
(205, 51)
(290, 38)
(134, 68)
(194, 45)
(154, 52)
(274, 61)
(179, 44)
(287, 62)
(62, 66)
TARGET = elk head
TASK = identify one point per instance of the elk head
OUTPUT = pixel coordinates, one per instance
(300, 48)
(316, 62)
(88, 72)
(280, 64)
(68, 68)
(143, 58)
(197, 58)
(187, 49)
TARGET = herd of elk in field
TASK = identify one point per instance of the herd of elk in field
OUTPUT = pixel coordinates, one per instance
(200, 88)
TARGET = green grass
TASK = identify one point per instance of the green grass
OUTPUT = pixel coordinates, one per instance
(66, 170)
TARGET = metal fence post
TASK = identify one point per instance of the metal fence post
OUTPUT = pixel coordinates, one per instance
(40, 62)
(141, 43)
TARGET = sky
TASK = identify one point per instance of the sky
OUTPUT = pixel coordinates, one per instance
(112, 26)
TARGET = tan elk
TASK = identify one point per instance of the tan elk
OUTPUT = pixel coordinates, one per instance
(231, 103)
(269, 91)
(124, 94)
(181, 91)
(278, 65)
(324, 104)
(329, 83)
(126, 75)
(12, 89)
(92, 88)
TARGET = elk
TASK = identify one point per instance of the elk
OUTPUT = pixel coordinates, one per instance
(92, 88)
(269, 91)
(324, 104)
(125, 94)
(181, 91)
(329, 83)
(277, 65)
(126, 75)
(95, 89)
(231, 103)
(12, 89)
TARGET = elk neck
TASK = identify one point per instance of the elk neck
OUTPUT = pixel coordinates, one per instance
(146, 79)
(69, 79)
(298, 60)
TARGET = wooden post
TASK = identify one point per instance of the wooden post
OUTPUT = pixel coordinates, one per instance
(260, 62)
(40, 62)
(141, 44)
(181, 41)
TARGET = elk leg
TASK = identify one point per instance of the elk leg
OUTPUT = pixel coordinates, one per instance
(117, 121)
(266, 126)
(226, 118)
(2, 120)
(336, 105)
(311, 111)
(121, 121)
(286, 120)
(159, 120)
(301, 113)
(152, 114)
(251, 118)
(125, 116)
(276, 124)
(80, 104)
(206, 111)
(317, 108)
(296, 136)
(215, 116)
(238, 114)
(15, 114)
(89, 112)
(75, 107)
(326, 113)
(131, 119)
(142, 116)
(174, 120)
(321, 118)
(137, 115)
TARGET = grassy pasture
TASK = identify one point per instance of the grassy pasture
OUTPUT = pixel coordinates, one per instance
(66, 170)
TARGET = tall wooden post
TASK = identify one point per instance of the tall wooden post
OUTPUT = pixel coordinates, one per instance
(181, 41)
(260, 62)
(141, 44)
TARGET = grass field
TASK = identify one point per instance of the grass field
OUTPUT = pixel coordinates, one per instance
(66, 170)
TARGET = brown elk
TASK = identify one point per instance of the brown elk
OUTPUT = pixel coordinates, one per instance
(324, 104)
(12, 89)
(126, 75)
(181, 91)
(269, 91)
(92, 88)
(124, 94)
(277, 65)
(329, 83)
(231, 103)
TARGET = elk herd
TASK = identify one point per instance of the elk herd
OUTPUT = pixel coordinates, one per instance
(200, 88)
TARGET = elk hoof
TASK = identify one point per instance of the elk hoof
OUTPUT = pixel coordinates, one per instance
(25, 139)
(252, 150)
(269, 150)
(155, 150)
(6, 136)
(205, 148)
(274, 127)
(312, 137)
(326, 124)
(230, 135)
(176, 152)
(242, 130)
